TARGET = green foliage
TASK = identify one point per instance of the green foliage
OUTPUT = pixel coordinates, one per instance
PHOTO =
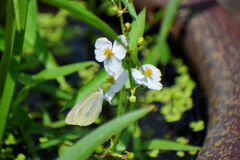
(30, 125)
(101, 134)
(160, 51)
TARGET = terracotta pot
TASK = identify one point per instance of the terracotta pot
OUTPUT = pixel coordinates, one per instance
(210, 37)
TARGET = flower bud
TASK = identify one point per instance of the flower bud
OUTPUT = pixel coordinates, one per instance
(99, 149)
(140, 41)
(130, 155)
(115, 9)
(112, 10)
(132, 99)
(127, 26)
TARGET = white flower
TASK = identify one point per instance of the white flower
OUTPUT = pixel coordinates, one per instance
(116, 86)
(149, 76)
(110, 54)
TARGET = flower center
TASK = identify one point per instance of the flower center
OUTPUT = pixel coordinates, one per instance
(108, 52)
(110, 79)
(148, 72)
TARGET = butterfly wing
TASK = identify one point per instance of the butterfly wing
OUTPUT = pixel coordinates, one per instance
(87, 110)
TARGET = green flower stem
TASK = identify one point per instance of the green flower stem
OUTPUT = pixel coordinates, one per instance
(120, 101)
(121, 18)
(119, 112)
(130, 72)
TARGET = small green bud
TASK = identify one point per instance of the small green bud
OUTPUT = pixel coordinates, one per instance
(127, 26)
(132, 99)
(140, 41)
(112, 10)
(99, 149)
(130, 155)
(115, 9)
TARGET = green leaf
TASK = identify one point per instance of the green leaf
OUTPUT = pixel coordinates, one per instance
(137, 30)
(9, 39)
(131, 9)
(167, 145)
(78, 11)
(91, 86)
(53, 73)
(31, 24)
(15, 52)
(155, 56)
(20, 9)
(85, 146)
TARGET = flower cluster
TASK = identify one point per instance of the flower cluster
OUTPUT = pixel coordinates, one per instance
(112, 56)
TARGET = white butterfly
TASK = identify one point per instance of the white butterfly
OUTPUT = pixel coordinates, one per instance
(87, 110)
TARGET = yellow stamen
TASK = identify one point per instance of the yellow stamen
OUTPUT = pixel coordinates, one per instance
(110, 79)
(108, 52)
(148, 72)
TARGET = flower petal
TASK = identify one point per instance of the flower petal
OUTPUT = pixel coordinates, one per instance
(99, 55)
(152, 84)
(113, 66)
(118, 50)
(116, 86)
(156, 74)
(103, 43)
(109, 95)
(120, 81)
(138, 76)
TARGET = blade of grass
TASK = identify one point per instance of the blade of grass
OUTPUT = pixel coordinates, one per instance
(33, 38)
(31, 24)
(137, 31)
(20, 13)
(91, 86)
(85, 146)
(82, 13)
(167, 145)
(12, 73)
(53, 73)
(9, 39)
(131, 9)
(160, 47)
